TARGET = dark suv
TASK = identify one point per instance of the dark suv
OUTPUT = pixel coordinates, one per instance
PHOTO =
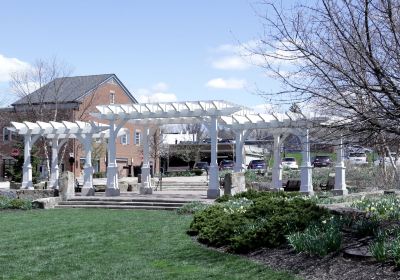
(258, 164)
(321, 161)
(226, 164)
(202, 165)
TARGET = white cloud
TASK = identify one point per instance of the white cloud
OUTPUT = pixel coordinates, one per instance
(243, 56)
(156, 93)
(264, 108)
(9, 65)
(231, 63)
(221, 83)
(157, 97)
(161, 86)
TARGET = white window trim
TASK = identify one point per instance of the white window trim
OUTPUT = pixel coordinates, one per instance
(8, 132)
(126, 137)
(112, 97)
(138, 140)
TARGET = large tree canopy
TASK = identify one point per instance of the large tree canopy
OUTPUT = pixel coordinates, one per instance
(344, 58)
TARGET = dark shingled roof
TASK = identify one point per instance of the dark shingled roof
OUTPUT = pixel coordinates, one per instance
(69, 89)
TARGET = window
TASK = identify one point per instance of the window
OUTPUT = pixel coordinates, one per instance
(137, 137)
(6, 135)
(125, 139)
(112, 97)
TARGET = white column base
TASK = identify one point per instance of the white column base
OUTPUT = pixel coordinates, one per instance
(85, 191)
(112, 192)
(27, 186)
(112, 181)
(213, 183)
(306, 186)
(340, 181)
(146, 177)
(277, 177)
(340, 192)
(213, 193)
(145, 190)
(54, 178)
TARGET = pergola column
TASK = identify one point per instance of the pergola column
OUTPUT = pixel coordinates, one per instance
(112, 168)
(27, 168)
(146, 178)
(277, 168)
(87, 188)
(239, 142)
(213, 183)
(54, 172)
(340, 171)
(306, 167)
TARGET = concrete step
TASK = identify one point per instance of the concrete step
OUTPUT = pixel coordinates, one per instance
(188, 184)
(128, 203)
(118, 207)
(129, 199)
(184, 189)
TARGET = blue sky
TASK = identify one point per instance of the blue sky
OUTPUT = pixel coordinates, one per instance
(165, 50)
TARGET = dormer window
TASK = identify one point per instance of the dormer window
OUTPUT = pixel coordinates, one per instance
(6, 135)
(112, 97)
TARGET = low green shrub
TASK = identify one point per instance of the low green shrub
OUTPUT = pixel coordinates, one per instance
(197, 172)
(318, 239)
(5, 202)
(251, 220)
(395, 250)
(383, 208)
(253, 194)
(99, 175)
(192, 208)
(380, 248)
(15, 203)
(366, 226)
(185, 173)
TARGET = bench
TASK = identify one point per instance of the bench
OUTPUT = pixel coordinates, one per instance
(292, 186)
(329, 185)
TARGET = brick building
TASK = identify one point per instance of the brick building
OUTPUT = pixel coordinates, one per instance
(72, 99)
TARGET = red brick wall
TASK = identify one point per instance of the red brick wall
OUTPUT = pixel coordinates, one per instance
(101, 96)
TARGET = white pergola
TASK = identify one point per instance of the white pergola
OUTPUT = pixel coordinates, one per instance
(59, 133)
(151, 115)
(281, 126)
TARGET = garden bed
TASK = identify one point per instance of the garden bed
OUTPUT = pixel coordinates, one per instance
(290, 232)
(334, 266)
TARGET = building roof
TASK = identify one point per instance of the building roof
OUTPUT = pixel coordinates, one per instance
(70, 89)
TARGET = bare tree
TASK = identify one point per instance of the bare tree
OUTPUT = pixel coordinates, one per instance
(158, 148)
(45, 78)
(342, 56)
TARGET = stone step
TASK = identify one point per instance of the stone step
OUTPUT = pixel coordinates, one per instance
(130, 207)
(184, 183)
(182, 189)
(137, 203)
(83, 199)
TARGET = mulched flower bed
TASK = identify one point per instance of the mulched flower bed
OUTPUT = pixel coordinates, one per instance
(332, 267)
(335, 266)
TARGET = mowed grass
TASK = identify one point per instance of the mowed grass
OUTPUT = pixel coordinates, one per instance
(112, 244)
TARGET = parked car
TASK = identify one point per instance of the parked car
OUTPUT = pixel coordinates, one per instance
(202, 165)
(358, 149)
(289, 162)
(257, 164)
(358, 158)
(321, 161)
(225, 141)
(226, 164)
(387, 160)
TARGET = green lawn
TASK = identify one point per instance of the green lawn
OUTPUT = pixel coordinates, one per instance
(112, 244)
